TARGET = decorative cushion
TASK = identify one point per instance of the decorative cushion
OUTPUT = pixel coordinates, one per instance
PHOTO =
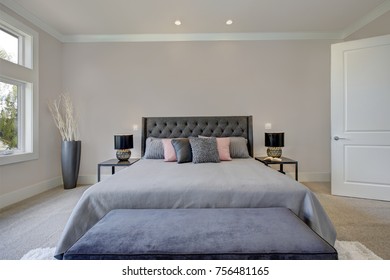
(154, 148)
(169, 151)
(239, 147)
(182, 149)
(223, 146)
(204, 150)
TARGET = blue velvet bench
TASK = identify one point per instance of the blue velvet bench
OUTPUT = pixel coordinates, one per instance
(211, 233)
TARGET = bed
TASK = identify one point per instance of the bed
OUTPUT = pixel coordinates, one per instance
(154, 183)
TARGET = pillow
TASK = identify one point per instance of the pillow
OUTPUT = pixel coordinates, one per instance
(154, 148)
(204, 150)
(223, 146)
(182, 149)
(169, 151)
(238, 147)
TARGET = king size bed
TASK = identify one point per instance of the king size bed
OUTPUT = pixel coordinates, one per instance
(155, 183)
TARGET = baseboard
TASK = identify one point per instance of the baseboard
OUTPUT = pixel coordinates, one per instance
(29, 191)
(88, 179)
(305, 176)
(312, 176)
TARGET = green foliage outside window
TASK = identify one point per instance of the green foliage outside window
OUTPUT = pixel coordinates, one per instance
(8, 113)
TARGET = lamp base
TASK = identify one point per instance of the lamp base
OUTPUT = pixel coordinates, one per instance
(123, 155)
(275, 152)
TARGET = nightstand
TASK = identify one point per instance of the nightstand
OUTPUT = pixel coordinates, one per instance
(114, 163)
(281, 163)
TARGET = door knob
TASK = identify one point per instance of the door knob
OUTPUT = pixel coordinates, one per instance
(339, 138)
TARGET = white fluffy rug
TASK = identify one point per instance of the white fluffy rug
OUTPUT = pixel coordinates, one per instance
(40, 254)
(353, 250)
(347, 250)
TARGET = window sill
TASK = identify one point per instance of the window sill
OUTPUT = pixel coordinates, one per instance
(17, 157)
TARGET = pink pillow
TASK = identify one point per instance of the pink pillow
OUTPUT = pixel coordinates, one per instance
(223, 144)
(169, 151)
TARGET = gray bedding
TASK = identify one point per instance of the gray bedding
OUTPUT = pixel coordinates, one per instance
(240, 183)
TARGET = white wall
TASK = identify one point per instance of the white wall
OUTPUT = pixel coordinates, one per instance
(286, 83)
(21, 180)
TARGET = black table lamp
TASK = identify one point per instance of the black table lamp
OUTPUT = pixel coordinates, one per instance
(274, 142)
(123, 144)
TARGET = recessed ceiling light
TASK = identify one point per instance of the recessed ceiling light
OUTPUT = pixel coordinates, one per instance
(229, 22)
(177, 22)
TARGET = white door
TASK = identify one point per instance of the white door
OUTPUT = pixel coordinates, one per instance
(360, 102)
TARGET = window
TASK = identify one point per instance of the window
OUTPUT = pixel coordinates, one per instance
(9, 46)
(18, 91)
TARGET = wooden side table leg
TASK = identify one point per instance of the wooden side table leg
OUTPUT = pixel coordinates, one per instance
(296, 171)
(113, 170)
(98, 172)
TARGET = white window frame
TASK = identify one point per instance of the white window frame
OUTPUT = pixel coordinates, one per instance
(26, 74)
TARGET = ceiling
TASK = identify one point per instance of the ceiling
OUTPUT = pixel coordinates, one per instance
(83, 20)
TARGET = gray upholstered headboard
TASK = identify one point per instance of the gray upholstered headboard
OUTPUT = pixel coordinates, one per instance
(175, 127)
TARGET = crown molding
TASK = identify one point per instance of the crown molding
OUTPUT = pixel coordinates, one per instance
(371, 16)
(182, 37)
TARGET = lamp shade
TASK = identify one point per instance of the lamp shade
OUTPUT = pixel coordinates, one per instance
(123, 142)
(274, 139)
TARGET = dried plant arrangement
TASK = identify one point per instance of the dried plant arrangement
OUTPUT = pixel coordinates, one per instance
(63, 115)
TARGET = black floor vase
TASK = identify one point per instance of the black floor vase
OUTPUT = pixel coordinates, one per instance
(70, 163)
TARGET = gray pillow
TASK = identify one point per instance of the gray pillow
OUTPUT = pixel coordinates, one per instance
(182, 149)
(154, 148)
(238, 147)
(204, 150)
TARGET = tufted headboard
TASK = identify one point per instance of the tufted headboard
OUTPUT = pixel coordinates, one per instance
(175, 127)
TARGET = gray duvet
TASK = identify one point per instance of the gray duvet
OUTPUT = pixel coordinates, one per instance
(240, 183)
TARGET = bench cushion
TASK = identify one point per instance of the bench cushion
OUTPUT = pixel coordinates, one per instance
(207, 233)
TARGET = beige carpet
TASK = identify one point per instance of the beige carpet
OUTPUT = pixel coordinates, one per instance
(36, 222)
(363, 220)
